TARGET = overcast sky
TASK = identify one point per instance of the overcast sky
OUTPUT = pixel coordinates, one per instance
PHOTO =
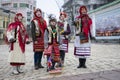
(50, 6)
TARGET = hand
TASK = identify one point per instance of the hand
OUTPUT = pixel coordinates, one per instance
(35, 42)
(27, 42)
(12, 40)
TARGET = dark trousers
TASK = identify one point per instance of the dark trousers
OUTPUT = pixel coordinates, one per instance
(37, 58)
(62, 55)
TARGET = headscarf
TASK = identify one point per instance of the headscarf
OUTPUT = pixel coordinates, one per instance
(21, 32)
(41, 22)
(63, 13)
(85, 21)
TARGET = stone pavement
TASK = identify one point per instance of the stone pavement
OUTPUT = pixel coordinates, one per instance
(104, 64)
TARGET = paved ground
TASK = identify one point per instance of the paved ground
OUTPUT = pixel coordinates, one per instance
(104, 64)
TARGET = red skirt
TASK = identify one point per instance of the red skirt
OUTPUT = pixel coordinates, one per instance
(17, 64)
(39, 46)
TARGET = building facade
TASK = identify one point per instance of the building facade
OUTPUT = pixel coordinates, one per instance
(71, 7)
(106, 21)
(5, 17)
(26, 7)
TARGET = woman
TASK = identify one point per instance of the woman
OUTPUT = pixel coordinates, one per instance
(38, 26)
(17, 37)
(64, 31)
(82, 38)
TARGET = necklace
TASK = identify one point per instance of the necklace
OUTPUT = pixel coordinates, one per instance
(54, 32)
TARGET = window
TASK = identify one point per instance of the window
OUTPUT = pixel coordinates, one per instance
(30, 6)
(27, 5)
(24, 5)
(15, 5)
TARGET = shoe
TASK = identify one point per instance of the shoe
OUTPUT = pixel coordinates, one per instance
(84, 66)
(80, 66)
(52, 68)
(15, 72)
(83, 63)
(41, 66)
(20, 70)
(36, 67)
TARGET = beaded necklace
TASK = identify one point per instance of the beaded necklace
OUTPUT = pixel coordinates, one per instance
(54, 32)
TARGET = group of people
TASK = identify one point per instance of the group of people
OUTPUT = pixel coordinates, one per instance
(50, 40)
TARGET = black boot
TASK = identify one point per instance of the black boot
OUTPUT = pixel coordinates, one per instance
(36, 67)
(84, 63)
(40, 66)
(80, 63)
(40, 59)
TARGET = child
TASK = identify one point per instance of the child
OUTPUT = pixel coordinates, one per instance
(52, 43)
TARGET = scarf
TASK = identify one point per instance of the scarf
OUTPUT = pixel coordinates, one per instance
(21, 34)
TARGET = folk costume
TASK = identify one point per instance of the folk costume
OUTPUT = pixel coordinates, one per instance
(17, 37)
(52, 44)
(64, 31)
(38, 26)
(82, 39)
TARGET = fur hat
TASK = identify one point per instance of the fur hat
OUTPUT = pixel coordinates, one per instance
(52, 17)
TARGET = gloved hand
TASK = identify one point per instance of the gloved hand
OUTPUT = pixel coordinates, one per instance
(12, 40)
(27, 42)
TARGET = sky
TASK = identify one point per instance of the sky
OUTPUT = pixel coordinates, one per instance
(50, 7)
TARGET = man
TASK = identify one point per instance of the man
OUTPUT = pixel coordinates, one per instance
(38, 26)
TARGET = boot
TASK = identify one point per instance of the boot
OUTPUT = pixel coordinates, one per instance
(84, 65)
(80, 63)
(20, 70)
(61, 64)
(15, 70)
(36, 67)
(39, 60)
(40, 66)
(53, 66)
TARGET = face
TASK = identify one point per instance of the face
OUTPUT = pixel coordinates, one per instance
(20, 18)
(62, 17)
(38, 13)
(84, 11)
(52, 23)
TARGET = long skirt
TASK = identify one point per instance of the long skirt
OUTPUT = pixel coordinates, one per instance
(64, 44)
(16, 56)
(82, 50)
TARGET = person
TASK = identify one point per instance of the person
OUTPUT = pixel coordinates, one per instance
(52, 43)
(38, 26)
(64, 31)
(17, 37)
(82, 27)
